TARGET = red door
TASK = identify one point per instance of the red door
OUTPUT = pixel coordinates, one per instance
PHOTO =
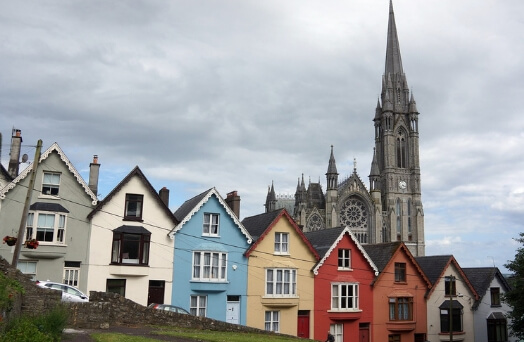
(303, 324)
(364, 335)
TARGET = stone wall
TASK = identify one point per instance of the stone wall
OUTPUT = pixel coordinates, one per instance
(108, 309)
(35, 300)
(103, 309)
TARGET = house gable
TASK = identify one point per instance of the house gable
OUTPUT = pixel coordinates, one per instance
(56, 149)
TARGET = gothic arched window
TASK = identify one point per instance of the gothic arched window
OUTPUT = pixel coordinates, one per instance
(401, 147)
(315, 223)
(354, 214)
(398, 213)
(410, 228)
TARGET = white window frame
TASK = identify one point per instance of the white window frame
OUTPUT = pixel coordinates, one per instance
(49, 181)
(281, 243)
(337, 330)
(281, 282)
(272, 321)
(58, 226)
(339, 299)
(71, 276)
(209, 266)
(344, 260)
(30, 271)
(198, 305)
(209, 227)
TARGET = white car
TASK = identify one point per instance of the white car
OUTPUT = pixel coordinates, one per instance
(69, 293)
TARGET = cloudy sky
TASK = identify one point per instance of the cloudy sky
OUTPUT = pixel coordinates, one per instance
(237, 94)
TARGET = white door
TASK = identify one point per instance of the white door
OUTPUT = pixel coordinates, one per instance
(233, 312)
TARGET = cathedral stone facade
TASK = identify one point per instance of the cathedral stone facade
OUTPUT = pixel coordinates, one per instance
(391, 208)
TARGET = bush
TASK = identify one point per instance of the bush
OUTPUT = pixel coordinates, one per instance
(42, 328)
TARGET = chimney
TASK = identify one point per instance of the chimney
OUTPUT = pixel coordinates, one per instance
(233, 201)
(94, 169)
(164, 195)
(14, 160)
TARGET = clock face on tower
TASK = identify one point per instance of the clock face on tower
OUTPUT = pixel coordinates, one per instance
(402, 185)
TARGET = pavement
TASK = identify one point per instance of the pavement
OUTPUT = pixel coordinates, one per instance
(84, 335)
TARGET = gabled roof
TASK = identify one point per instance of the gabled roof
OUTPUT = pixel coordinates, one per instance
(327, 240)
(44, 156)
(435, 267)
(383, 254)
(5, 174)
(190, 207)
(481, 278)
(261, 225)
(136, 172)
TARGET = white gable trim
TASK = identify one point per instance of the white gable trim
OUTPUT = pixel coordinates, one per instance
(44, 156)
(359, 246)
(204, 200)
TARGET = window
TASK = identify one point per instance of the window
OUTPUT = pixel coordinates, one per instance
(130, 245)
(198, 306)
(410, 225)
(282, 243)
(209, 266)
(344, 296)
(495, 296)
(400, 309)
(398, 213)
(272, 321)
(134, 205)
(401, 150)
(50, 184)
(400, 272)
(28, 268)
(211, 225)
(456, 317)
(50, 227)
(449, 286)
(337, 330)
(71, 273)
(497, 330)
(394, 338)
(116, 286)
(344, 259)
(281, 282)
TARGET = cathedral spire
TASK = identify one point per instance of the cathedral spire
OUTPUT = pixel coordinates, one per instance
(393, 60)
(332, 174)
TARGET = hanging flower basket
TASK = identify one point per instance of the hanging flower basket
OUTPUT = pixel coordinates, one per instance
(10, 240)
(31, 244)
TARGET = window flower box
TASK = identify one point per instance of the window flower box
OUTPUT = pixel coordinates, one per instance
(31, 244)
(10, 240)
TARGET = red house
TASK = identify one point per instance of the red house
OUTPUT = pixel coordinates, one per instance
(343, 291)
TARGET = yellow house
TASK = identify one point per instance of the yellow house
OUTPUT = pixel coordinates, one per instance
(280, 285)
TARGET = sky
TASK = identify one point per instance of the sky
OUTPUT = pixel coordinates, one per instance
(239, 94)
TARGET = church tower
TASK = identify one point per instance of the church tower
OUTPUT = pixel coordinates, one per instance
(396, 165)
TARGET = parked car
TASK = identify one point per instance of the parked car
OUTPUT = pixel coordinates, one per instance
(69, 293)
(167, 307)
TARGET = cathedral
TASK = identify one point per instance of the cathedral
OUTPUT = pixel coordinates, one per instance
(390, 209)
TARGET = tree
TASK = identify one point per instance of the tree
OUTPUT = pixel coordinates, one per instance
(514, 297)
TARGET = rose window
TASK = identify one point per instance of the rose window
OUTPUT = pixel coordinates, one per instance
(354, 214)
(315, 223)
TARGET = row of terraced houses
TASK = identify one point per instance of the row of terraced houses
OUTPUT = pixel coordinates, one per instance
(263, 271)
(350, 262)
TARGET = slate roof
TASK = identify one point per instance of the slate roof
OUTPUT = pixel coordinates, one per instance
(481, 278)
(433, 266)
(188, 205)
(381, 253)
(44, 206)
(257, 225)
(135, 172)
(323, 239)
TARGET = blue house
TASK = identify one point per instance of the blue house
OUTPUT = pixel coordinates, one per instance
(209, 268)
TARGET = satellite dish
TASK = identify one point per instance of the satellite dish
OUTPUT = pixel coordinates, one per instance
(24, 158)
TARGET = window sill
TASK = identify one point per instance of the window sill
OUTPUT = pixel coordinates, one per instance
(49, 196)
(129, 270)
(211, 235)
(134, 219)
(344, 311)
(282, 254)
(280, 301)
(344, 269)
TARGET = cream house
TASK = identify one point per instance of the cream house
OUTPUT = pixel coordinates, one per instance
(130, 250)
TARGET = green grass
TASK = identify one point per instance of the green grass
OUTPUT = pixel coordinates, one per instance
(197, 335)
